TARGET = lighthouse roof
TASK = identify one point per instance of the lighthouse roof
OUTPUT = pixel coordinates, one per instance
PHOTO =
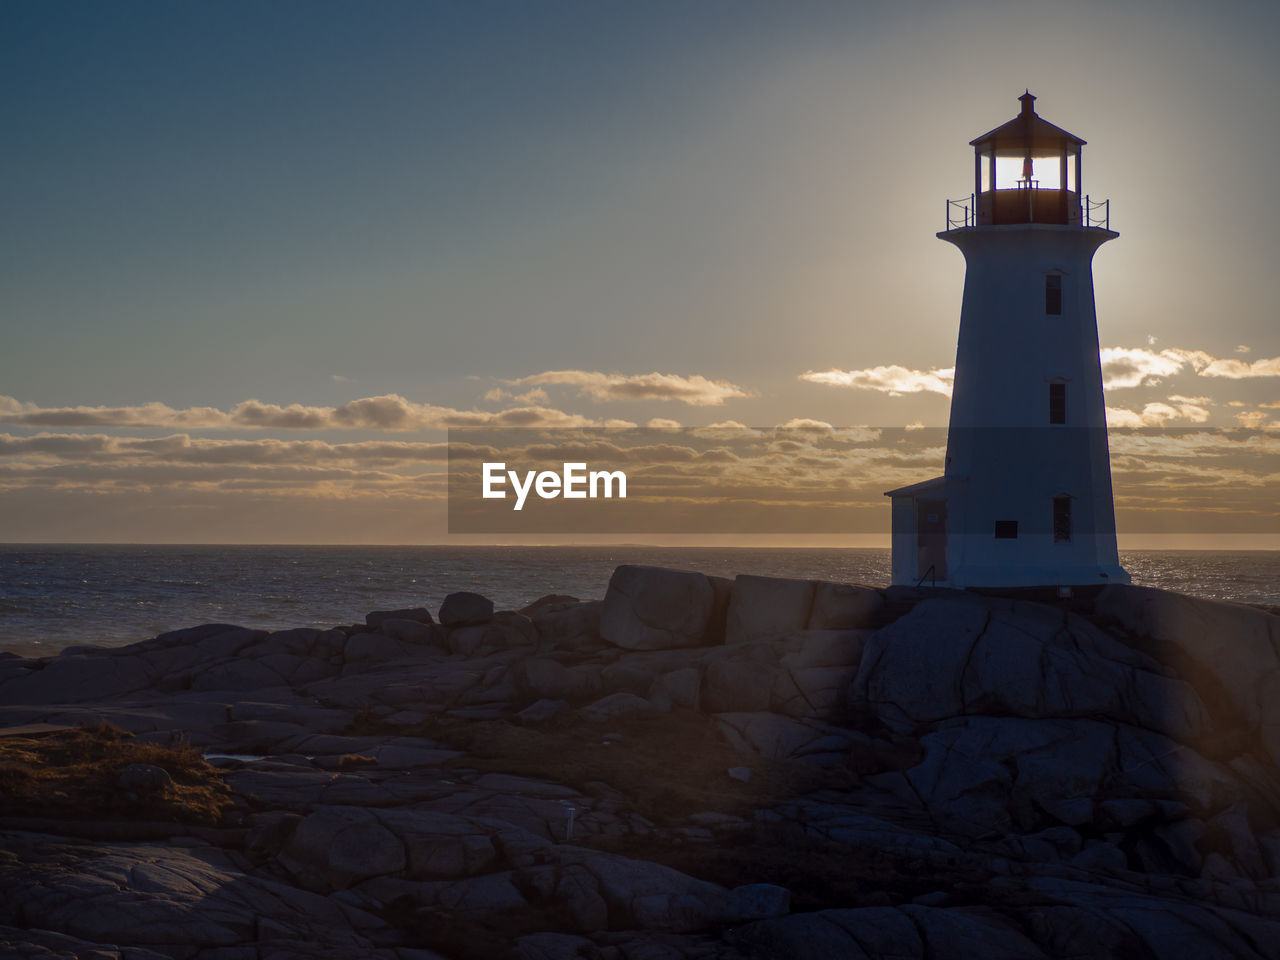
(1027, 129)
(915, 489)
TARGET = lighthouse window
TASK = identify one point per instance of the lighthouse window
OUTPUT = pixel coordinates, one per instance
(1062, 518)
(1053, 294)
(1006, 529)
(1057, 403)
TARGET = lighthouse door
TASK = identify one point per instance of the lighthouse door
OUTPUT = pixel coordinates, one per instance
(931, 539)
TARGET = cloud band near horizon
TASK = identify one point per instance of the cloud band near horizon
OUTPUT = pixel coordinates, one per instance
(1122, 367)
(390, 412)
(695, 390)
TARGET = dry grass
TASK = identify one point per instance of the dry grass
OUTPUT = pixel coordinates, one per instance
(71, 774)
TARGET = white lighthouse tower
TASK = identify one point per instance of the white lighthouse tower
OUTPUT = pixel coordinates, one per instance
(1025, 498)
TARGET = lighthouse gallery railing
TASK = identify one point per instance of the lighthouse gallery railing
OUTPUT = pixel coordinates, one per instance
(1092, 213)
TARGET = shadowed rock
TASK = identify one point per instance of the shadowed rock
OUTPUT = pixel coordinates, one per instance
(649, 608)
(981, 776)
(465, 609)
(417, 614)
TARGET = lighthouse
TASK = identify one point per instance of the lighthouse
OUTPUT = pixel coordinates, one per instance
(1025, 497)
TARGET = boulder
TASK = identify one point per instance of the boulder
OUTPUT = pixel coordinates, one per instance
(757, 901)
(297, 671)
(79, 648)
(417, 614)
(213, 641)
(569, 626)
(541, 710)
(643, 894)
(843, 606)
(778, 738)
(546, 679)
(736, 685)
(908, 931)
(300, 640)
(550, 603)
(722, 590)
(824, 648)
(47, 945)
(634, 673)
(297, 711)
(956, 656)
(990, 775)
(856, 934)
(374, 648)
(766, 608)
(465, 609)
(440, 845)
(679, 688)
(505, 631)
(345, 845)
(136, 901)
(236, 675)
(962, 934)
(651, 608)
(552, 946)
(410, 631)
(1231, 652)
(618, 704)
(79, 678)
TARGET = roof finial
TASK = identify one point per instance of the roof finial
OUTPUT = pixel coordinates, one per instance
(1027, 100)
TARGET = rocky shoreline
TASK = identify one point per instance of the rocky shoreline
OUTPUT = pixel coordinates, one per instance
(692, 767)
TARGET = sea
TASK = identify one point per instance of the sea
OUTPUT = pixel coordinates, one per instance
(52, 596)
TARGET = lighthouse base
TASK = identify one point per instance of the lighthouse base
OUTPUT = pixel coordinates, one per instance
(934, 546)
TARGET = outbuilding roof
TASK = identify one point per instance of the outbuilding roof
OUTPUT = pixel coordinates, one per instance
(914, 489)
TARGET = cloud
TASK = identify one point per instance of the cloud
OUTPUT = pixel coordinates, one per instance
(1192, 443)
(807, 425)
(1239, 370)
(1256, 420)
(696, 390)
(1159, 414)
(1121, 367)
(1133, 366)
(801, 464)
(726, 430)
(144, 415)
(390, 412)
(893, 380)
(1242, 348)
(183, 448)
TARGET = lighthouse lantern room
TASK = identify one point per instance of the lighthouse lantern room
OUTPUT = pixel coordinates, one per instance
(1025, 498)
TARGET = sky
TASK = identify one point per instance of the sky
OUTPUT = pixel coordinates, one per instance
(256, 258)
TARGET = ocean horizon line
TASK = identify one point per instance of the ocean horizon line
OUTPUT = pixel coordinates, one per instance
(571, 545)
